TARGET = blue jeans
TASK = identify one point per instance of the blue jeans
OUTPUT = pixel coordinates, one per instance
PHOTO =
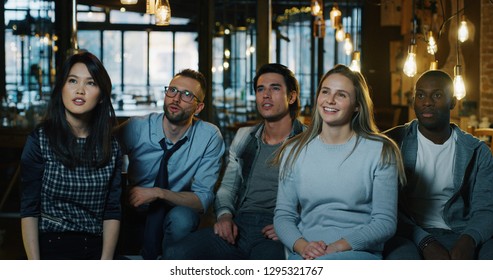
(402, 248)
(178, 222)
(250, 244)
(346, 255)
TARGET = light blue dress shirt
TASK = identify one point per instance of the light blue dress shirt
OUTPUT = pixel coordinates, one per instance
(194, 167)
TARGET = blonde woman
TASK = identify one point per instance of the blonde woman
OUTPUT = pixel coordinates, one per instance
(339, 179)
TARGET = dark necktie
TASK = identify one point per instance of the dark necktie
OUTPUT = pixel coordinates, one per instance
(153, 232)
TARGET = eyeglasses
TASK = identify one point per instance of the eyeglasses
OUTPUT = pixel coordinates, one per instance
(185, 95)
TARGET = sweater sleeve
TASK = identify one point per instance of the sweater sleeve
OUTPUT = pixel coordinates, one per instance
(383, 220)
(480, 224)
(227, 194)
(32, 169)
(113, 203)
(286, 216)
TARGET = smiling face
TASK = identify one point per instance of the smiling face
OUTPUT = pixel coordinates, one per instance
(80, 93)
(178, 111)
(336, 101)
(433, 101)
(272, 97)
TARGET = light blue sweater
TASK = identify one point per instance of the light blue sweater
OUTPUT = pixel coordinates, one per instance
(333, 193)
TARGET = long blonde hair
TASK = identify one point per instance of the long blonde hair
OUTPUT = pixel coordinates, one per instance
(362, 122)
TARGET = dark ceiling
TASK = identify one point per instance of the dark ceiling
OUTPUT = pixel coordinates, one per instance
(223, 8)
(178, 7)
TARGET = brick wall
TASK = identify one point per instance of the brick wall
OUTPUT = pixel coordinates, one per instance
(486, 61)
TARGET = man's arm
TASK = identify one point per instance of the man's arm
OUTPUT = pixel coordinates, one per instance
(205, 177)
(142, 195)
(226, 228)
(227, 194)
(480, 226)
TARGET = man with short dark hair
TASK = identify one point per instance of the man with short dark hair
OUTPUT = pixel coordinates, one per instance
(446, 208)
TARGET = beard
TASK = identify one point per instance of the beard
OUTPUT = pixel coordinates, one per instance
(179, 117)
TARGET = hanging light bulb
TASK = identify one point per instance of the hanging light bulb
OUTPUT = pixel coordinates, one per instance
(348, 45)
(410, 67)
(355, 63)
(459, 87)
(129, 2)
(463, 32)
(335, 16)
(319, 27)
(432, 44)
(163, 12)
(315, 8)
(340, 34)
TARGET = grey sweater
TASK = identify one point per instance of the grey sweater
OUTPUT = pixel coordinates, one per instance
(341, 193)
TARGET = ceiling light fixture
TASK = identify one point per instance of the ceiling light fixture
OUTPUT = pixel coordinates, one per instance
(459, 87)
(335, 16)
(129, 2)
(410, 67)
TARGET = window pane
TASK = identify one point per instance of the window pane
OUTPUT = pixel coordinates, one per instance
(90, 17)
(112, 58)
(129, 17)
(90, 14)
(18, 4)
(135, 57)
(135, 66)
(217, 65)
(161, 58)
(13, 56)
(160, 62)
(90, 41)
(186, 51)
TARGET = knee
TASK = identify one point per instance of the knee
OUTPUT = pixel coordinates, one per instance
(401, 248)
(486, 250)
(182, 219)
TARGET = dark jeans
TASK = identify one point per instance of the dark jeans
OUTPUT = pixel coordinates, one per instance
(70, 246)
(402, 248)
(178, 222)
(250, 244)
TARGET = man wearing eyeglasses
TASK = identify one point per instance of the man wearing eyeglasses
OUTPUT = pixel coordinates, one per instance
(194, 148)
(246, 198)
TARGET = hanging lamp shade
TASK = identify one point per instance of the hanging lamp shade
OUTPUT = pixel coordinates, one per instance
(163, 12)
(335, 17)
(316, 8)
